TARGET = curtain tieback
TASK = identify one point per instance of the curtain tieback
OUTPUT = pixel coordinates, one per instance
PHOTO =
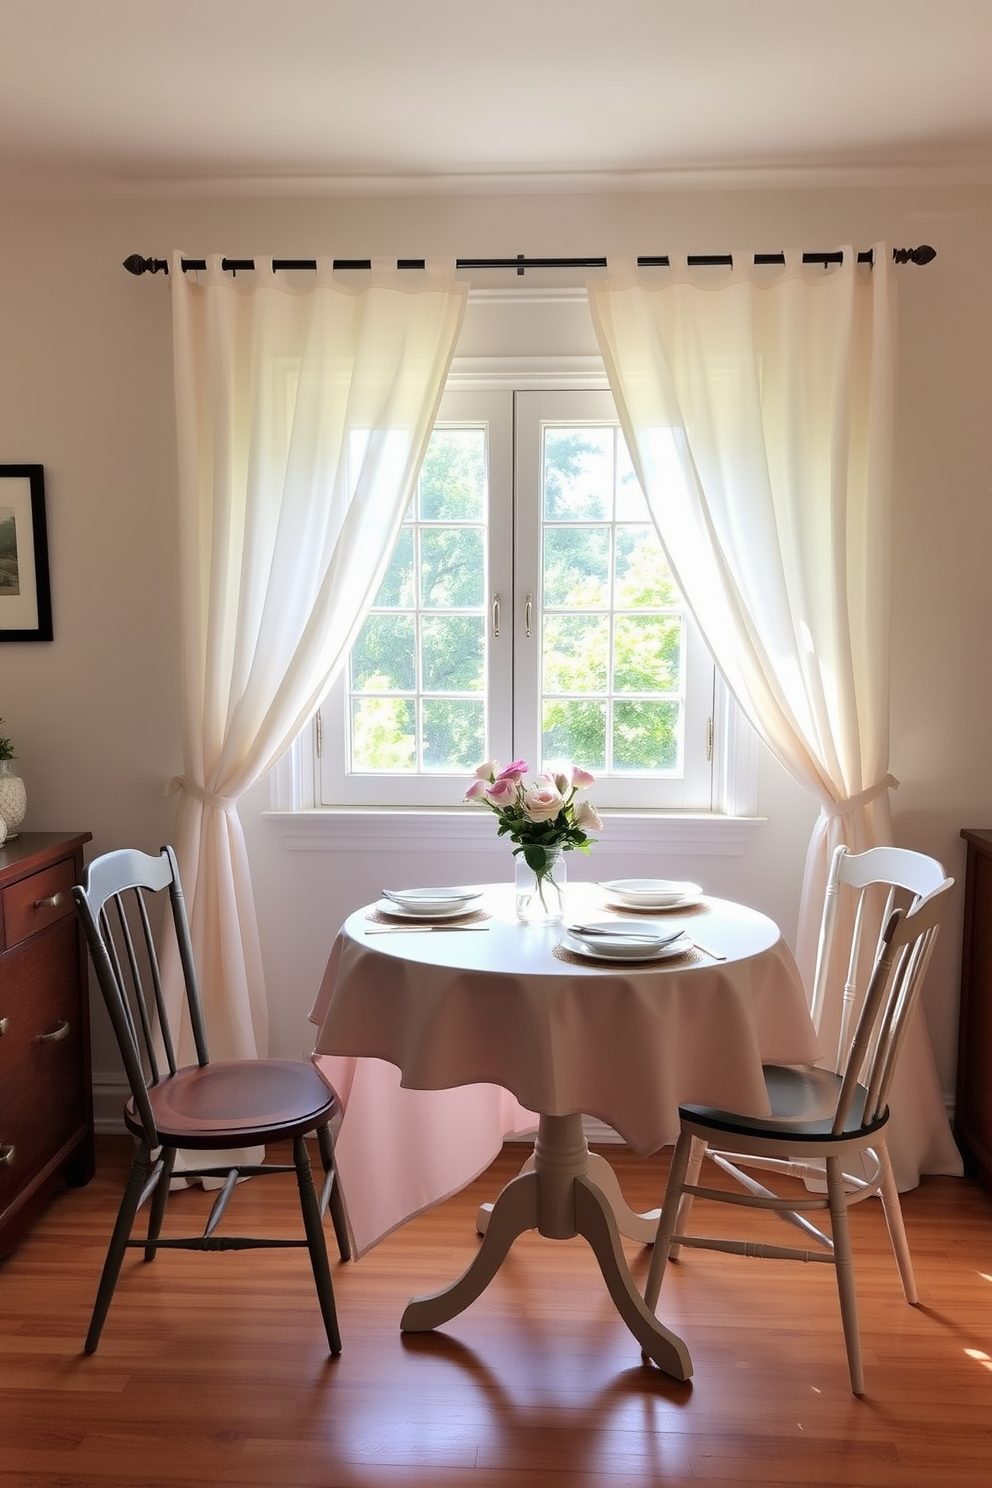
(200, 793)
(853, 803)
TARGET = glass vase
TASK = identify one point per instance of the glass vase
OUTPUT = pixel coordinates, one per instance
(540, 897)
(13, 798)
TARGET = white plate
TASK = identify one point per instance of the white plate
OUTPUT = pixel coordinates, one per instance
(433, 911)
(652, 893)
(600, 948)
(431, 901)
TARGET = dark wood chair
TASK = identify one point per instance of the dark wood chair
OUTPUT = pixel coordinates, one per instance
(825, 1128)
(212, 1107)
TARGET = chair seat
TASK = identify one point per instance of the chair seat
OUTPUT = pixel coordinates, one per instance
(236, 1102)
(803, 1100)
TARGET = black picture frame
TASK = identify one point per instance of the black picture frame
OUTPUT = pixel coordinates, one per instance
(25, 587)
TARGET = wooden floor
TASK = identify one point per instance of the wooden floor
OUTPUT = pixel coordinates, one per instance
(213, 1368)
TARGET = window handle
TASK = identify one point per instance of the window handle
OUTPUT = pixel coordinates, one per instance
(495, 614)
(528, 614)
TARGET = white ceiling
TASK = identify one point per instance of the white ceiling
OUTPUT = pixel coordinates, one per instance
(382, 95)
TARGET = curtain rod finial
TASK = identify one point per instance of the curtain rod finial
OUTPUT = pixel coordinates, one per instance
(922, 255)
(136, 264)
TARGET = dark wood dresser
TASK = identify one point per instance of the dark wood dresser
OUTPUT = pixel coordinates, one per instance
(973, 1101)
(46, 1104)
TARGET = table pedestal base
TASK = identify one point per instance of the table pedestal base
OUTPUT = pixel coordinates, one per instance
(559, 1197)
(632, 1226)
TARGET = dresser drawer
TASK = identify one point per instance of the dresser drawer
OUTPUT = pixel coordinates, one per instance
(35, 902)
(43, 1100)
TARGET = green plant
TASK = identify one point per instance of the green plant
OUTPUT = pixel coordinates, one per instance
(6, 747)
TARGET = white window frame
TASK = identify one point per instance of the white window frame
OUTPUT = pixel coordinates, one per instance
(722, 831)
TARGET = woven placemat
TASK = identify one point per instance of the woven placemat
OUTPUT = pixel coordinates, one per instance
(654, 963)
(470, 917)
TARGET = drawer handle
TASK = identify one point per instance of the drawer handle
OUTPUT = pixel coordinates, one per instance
(4, 1025)
(56, 1034)
(7, 1155)
(52, 902)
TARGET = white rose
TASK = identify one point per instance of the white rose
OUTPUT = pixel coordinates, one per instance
(586, 817)
(542, 803)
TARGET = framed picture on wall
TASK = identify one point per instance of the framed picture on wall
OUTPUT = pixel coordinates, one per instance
(25, 591)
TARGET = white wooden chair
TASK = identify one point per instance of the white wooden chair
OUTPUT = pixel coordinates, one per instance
(820, 1117)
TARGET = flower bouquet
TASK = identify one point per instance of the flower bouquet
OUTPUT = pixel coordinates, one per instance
(544, 820)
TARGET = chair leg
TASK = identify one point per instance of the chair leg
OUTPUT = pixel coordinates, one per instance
(118, 1243)
(844, 1266)
(160, 1198)
(685, 1206)
(316, 1244)
(669, 1214)
(892, 1209)
(335, 1202)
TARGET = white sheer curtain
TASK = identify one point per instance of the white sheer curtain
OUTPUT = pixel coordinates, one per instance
(304, 409)
(758, 406)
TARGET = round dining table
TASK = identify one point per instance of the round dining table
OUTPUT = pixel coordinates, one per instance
(484, 1003)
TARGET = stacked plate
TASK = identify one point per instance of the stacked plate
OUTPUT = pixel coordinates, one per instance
(428, 904)
(651, 893)
(625, 940)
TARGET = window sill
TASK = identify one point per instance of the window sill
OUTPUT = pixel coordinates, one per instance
(381, 829)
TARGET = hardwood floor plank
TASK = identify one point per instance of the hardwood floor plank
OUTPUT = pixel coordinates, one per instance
(213, 1369)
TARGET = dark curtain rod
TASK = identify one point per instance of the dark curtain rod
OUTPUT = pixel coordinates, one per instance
(135, 264)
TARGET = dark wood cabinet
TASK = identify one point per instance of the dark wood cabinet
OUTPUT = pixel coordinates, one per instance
(46, 1104)
(973, 1101)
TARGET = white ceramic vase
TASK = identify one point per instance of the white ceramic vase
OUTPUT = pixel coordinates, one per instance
(13, 799)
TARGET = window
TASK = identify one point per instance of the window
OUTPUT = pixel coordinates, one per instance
(527, 611)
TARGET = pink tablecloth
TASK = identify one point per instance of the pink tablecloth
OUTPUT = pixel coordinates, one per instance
(479, 1031)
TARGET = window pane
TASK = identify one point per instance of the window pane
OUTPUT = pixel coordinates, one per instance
(576, 566)
(643, 576)
(383, 734)
(453, 478)
(645, 736)
(576, 648)
(647, 653)
(452, 567)
(453, 653)
(574, 731)
(578, 475)
(454, 733)
(396, 590)
(382, 659)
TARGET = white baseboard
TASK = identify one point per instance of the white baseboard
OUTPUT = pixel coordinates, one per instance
(109, 1095)
(597, 1133)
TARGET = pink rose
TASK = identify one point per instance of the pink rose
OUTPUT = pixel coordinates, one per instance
(581, 779)
(502, 792)
(514, 772)
(542, 803)
(586, 817)
(476, 791)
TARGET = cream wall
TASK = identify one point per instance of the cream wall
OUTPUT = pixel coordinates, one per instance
(85, 390)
